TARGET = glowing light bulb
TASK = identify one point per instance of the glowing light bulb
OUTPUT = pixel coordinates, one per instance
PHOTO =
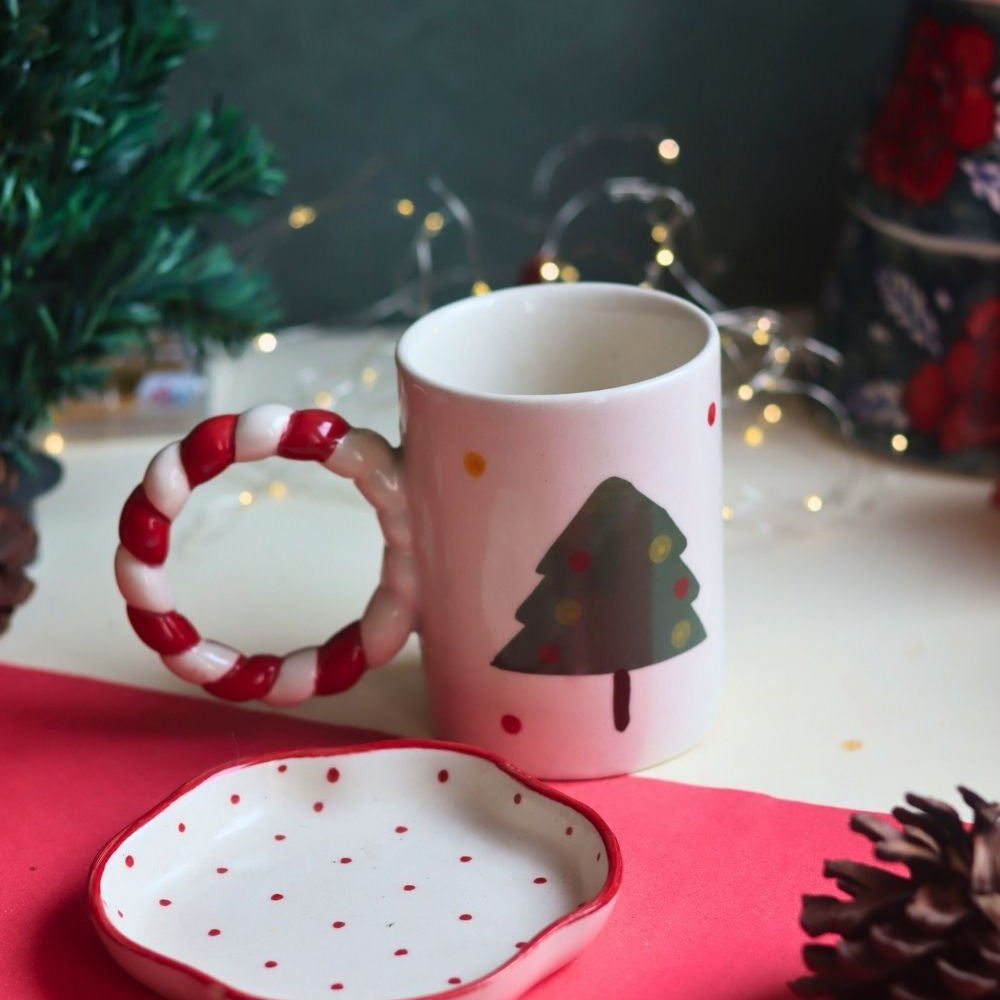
(301, 216)
(764, 323)
(433, 222)
(405, 207)
(659, 232)
(669, 150)
(569, 273)
(245, 498)
(480, 288)
(745, 392)
(771, 413)
(900, 442)
(782, 355)
(549, 271)
(53, 443)
(760, 337)
(277, 490)
(323, 399)
(813, 503)
(665, 257)
(265, 342)
(645, 284)
(368, 376)
(727, 513)
(753, 436)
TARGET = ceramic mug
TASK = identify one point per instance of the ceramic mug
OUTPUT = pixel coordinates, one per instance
(552, 529)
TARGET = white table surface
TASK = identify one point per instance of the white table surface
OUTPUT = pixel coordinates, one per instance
(863, 641)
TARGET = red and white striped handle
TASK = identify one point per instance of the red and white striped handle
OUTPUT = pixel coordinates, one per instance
(214, 445)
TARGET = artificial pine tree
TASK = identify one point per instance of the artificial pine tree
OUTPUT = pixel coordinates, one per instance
(104, 203)
(615, 596)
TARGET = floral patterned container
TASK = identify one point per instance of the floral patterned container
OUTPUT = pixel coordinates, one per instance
(914, 305)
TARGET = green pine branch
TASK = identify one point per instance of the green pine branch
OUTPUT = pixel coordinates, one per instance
(105, 205)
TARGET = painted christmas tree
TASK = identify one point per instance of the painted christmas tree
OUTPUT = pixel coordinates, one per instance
(615, 596)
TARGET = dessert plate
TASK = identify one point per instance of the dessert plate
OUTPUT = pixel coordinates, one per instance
(392, 870)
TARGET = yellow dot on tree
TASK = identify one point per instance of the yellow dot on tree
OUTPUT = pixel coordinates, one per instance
(659, 548)
(475, 464)
(567, 611)
(680, 634)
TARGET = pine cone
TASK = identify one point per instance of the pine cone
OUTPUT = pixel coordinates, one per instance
(18, 543)
(931, 935)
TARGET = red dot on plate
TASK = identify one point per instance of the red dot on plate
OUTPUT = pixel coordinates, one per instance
(517, 799)
(337, 924)
(465, 916)
(408, 888)
(332, 775)
(234, 799)
(465, 857)
(681, 586)
(345, 861)
(282, 768)
(222, 871)
(579, 561)
(454, 980)
(540, 880)
(401, 951)
(336, 986)
(279, 836)
(120, 914)
(129, 861)
(569, 831)
(521, 944)
(711, 414)
(442, 775)
(270, 963)
(277, 895)
(511, 724)
(549, 652)
(214, 932)
(401, 829)
(317, 807)
(598, 858)
(181, 827)
(165, 902)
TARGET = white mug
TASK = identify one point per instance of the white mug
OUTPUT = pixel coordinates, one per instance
(552, 524)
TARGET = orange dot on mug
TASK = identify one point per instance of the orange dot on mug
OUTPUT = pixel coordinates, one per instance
(475, 464)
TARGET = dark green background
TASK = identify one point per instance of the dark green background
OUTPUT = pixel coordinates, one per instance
(365, 98)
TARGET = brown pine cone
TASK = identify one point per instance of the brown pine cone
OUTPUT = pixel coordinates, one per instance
(933, 934)
(18, 543)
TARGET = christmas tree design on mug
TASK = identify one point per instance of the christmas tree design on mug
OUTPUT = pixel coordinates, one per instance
(615, 596)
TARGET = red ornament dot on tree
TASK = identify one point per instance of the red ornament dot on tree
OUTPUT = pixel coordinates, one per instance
(333, 775)
(442, 776)
(712, 413)
(579, 561)
(549, 652)
(511, 724)
(681, 586)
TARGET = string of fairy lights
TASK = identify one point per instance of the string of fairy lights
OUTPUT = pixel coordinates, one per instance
(765, 360)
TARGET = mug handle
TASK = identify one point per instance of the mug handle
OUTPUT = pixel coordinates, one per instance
(214, 445)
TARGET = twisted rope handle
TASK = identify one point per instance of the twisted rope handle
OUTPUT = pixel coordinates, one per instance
(301, 435)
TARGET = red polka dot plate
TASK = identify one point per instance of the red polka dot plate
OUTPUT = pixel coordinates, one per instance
(386, 871)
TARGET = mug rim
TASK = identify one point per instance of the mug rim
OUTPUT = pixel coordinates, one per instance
(472, 304)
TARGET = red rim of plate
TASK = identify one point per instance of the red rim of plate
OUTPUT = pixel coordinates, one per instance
(605, 896)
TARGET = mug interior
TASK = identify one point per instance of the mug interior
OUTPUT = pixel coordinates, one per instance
(546, 340)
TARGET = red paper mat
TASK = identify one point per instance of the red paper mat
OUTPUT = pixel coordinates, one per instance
(708, 906)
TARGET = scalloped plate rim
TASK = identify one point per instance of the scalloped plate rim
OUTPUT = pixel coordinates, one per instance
(110, 934)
